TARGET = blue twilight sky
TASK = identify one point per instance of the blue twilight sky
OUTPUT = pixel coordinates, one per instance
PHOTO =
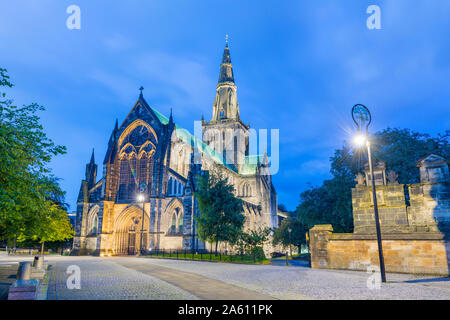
(299, 66)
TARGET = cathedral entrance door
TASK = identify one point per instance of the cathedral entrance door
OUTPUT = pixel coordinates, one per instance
(128, 234)
(132, 243)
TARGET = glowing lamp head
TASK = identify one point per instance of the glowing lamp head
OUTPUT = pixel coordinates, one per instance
(140, 198)
(360, 139)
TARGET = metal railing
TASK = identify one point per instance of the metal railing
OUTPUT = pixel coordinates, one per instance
(30, 251)
(203, 255)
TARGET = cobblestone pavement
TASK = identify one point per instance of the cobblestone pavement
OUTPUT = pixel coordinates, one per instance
(200, 286)
(108, 278)
(105, 280)
(304, 283)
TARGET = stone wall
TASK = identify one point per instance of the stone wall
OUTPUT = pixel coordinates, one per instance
(392, 208)
(417, 253)
(414, 222)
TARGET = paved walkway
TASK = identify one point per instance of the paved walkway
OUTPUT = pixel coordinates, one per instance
(104, 280)
(146, 278)
(200, 286)
(283, 282)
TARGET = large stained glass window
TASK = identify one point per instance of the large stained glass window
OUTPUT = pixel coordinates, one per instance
(136, 150)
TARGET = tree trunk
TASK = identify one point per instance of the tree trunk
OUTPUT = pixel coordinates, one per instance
(217, 243)
(42, 248)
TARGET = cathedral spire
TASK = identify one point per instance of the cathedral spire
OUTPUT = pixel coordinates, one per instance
(91, 171)
(226, 68)
(92, 157)
(226, 106)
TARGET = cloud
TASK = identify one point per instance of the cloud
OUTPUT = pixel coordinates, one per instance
(185, 82)
(119, 85)
(117, 42)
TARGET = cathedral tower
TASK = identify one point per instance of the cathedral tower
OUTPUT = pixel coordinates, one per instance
(226, 133)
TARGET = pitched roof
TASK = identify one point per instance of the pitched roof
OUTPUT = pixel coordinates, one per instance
(188, 138)
(250, 163)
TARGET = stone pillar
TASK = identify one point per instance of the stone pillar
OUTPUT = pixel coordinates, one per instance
(319, 236)
(38, 262)
(24, 271)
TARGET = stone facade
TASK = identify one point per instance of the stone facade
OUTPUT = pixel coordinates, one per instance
(414, 220)
(149, 154)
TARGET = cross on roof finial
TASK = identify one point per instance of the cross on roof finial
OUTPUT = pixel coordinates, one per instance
(141, 88)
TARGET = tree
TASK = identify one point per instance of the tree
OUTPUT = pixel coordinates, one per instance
(331, 202)
(254, 240)
(51, 225)
(298, 232)
(221, 217)
(27, 188)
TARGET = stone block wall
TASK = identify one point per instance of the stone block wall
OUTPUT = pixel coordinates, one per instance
(412, 253)
(430, 207)
(392, 209)
(414, 222)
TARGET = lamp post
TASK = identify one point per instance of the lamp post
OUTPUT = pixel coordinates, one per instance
(141, 198)
(290, 243)
(362, 117)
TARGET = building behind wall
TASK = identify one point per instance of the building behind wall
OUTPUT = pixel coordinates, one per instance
(414, 219)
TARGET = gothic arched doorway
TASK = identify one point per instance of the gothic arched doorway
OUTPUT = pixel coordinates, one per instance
(128, 226)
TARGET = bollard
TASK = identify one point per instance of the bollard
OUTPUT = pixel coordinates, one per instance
(38, 262)
(24, 271)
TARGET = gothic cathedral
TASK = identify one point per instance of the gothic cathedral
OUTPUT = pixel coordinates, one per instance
(149, 155)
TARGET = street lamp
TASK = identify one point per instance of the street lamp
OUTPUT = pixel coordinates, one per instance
(362, 117)
(290, 246)
(141, 198)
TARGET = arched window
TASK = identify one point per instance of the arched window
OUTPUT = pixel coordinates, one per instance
(222, 114)
(180, 223)
(136, 145)
(173, 225)
(95, 225)
(123, 178)
(235, 151)
(246, 190)
(133, 179)
(143, 172)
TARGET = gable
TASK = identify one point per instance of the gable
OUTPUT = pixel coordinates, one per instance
(144, 114)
